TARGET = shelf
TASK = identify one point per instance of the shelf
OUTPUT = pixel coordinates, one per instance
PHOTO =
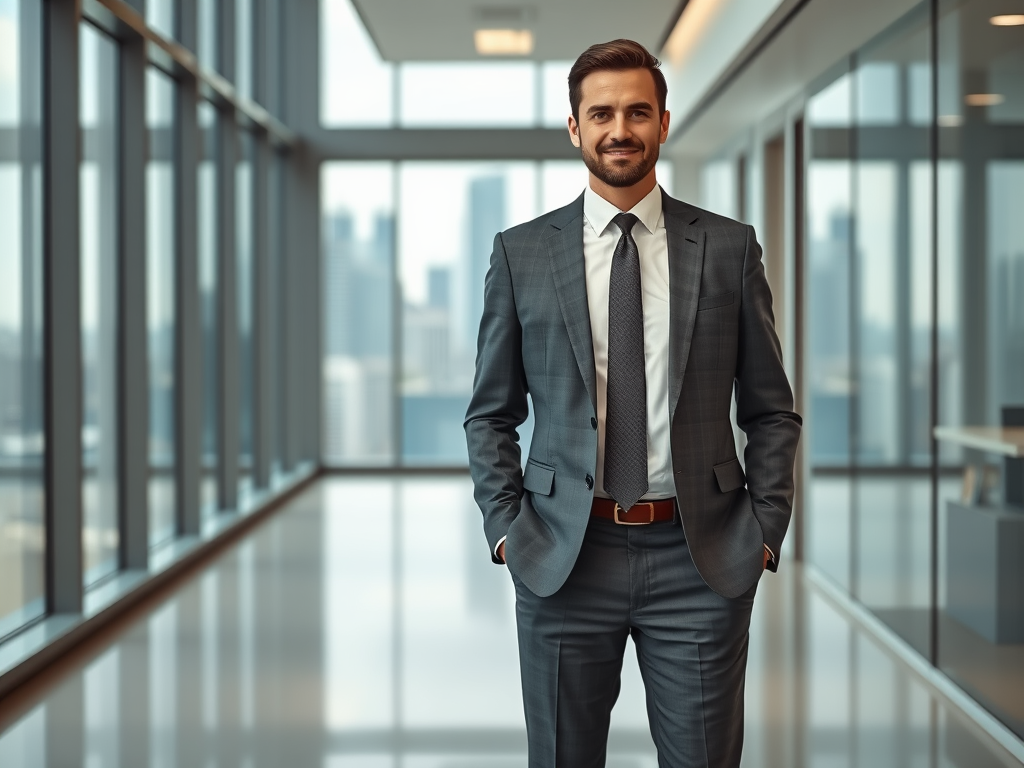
(1006, 441)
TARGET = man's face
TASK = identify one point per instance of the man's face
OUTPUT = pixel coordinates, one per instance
(619, 131)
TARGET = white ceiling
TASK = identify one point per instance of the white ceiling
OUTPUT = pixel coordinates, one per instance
(442, 30)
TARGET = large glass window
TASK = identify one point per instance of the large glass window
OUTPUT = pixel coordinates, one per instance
(99, 304)
(358, 307)
(442, 263)
(161, 243)
(981, 354)
(435, 94)
(244, 265)
(22, 444)
(208, 224)
(346, 48)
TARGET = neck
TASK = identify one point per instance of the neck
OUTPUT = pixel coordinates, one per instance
(624, 198)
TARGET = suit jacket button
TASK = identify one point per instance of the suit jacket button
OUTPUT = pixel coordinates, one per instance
(590, 483)
(593, 422)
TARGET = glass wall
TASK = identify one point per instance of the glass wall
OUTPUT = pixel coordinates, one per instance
(208, 235)
(980, 333)
(161, 249)
(99, 303)
(65, 433)
(891, 332)
(22, 442)
(915, 422)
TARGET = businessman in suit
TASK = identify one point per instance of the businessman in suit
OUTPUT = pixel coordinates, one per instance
(631, 319)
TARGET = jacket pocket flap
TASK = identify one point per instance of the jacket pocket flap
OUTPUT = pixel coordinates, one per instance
(710, 302)
(729, 476)
(538, 479)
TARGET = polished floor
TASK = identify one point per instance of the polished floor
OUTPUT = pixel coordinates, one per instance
(364, 626)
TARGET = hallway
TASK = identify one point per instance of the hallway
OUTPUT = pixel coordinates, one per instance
(363, 626)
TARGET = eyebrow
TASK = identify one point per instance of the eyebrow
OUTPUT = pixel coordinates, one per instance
(609, 108)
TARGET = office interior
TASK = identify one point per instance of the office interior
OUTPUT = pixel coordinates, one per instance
(242, 246)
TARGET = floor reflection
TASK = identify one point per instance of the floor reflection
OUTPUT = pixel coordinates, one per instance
(364, 627)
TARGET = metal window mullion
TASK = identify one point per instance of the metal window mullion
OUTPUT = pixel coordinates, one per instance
(227, 57)
(227, 326)
(313, 369)
(261, 371)
(61, 287)
(133, 354)
(260, 61)
(188, 338)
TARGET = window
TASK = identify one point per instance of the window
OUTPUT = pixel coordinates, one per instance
(161, 247)
(22, 442)
(208, 224)
(99, 304)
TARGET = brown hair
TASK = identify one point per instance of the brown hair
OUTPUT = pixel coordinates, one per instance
(616, 55)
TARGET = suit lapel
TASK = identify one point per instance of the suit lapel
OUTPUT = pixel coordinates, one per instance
(568, 270)
(686, 242)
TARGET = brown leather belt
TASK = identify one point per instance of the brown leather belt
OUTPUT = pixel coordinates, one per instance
(641, 513)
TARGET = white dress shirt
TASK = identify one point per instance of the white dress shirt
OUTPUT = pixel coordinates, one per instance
(600, 236)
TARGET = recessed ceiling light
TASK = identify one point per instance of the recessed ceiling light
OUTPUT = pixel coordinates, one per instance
(1008, 20)
(984, 99)
(950, 121)
(503, 42)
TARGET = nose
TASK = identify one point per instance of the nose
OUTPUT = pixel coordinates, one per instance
(620, 129)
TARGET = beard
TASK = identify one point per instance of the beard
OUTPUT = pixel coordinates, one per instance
(628, 173)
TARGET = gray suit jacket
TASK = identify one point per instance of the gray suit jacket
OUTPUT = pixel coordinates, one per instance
(535, 338)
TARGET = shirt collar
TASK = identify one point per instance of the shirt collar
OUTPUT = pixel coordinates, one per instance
(599, 212)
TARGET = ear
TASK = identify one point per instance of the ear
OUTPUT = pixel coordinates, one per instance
(664, 127)
(574, 132)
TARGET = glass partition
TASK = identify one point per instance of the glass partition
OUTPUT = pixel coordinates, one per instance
(981, 354)
(891, 333)
(22, 440)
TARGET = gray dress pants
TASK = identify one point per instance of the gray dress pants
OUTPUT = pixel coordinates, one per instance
(691, 645)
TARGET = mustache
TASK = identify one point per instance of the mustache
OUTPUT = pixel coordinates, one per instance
(627, 144)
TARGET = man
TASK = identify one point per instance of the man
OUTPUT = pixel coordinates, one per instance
(631, 331)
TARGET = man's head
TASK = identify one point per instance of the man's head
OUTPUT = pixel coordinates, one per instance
(617, 93)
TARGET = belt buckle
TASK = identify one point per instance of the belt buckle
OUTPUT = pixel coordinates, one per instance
(650, 506)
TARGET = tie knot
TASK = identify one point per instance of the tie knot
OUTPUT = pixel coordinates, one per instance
(625, 222)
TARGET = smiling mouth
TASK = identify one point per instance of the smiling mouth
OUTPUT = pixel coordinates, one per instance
(621, 151)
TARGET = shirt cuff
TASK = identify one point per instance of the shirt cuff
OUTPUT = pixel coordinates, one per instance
(771, 555)
(502, 541)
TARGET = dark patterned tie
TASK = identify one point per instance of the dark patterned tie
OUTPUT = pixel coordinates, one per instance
(625, 432)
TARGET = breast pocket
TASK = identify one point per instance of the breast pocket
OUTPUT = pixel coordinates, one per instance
(538, 478)
(713, 302)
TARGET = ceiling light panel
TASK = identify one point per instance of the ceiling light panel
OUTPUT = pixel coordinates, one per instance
(503, 42)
